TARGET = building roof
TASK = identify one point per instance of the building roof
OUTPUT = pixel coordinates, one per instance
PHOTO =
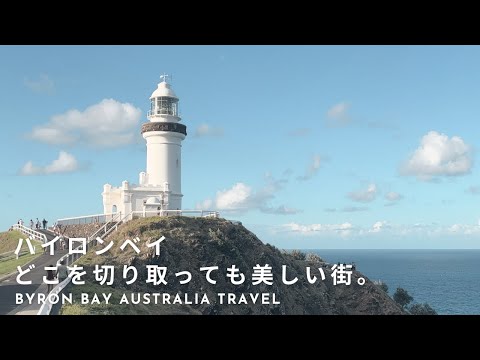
(153, 201)
(164, 89)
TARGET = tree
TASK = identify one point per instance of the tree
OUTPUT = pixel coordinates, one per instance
(384, 287)
(381, 285)
(402, 297)
(298, 255)
(422, 309)
(313, 258)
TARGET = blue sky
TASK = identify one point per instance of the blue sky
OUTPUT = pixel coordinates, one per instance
(308, 146)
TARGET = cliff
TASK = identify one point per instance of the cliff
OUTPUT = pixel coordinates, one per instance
(192, 243)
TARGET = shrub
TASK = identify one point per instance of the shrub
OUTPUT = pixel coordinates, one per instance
(422, 309)
(297, 255)
(402, 297)
(313, 258)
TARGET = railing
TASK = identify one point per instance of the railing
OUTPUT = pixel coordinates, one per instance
(192, 213)
(30, 232)
(47, 306)
(116, 219)
(88, 219)
(161, 112)
(103, 232)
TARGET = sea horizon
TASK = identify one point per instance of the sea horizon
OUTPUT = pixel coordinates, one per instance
(446, 279)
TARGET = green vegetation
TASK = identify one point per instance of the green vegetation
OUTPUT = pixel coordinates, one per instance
(298, 255)
(114, 308)
(422, 309)
(403, 298)
(313, 258)
(9, 265)
(8, 244)
(383, 286)
(192, 243)
(9, 240)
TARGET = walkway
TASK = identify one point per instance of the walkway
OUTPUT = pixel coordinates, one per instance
(9, 286)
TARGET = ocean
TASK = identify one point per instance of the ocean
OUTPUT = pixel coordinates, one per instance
(448, 280)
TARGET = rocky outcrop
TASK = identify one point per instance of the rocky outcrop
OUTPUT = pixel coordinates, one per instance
(192, 243)
(80, 231)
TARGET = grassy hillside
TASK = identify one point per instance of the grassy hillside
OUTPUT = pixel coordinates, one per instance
(8, 243)
(9, 240)
(192, 243)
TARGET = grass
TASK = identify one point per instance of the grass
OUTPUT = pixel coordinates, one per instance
(9, 240)
(10, 264)
(8, 243)
(114, 308)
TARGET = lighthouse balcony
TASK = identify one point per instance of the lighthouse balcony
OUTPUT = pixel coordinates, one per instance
(161, 112)
(164, 126)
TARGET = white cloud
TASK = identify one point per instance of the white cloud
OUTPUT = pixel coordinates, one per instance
(313, 229)
(439, 155)
(393, 196)
(207, 130)
(235, 198)
(242, 198)
(280, 210)
(364, 196)
(464, 229)
(30, 169)
(43, 85)
(239, 198)
(106, 124)
(338, 115)
(378, 226)
(65, 163)
(312, 168)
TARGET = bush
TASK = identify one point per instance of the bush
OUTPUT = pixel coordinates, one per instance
(422, 309)
(381, 285)
(298, 255)
(313, 258)
(402, 297)
(384, 287)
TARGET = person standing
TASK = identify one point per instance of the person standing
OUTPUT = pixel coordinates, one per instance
(50, 276)
(62, 271)
(44, 224)
(31, 224)
(37, 225)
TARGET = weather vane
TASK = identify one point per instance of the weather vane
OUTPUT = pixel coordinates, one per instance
(164, 77)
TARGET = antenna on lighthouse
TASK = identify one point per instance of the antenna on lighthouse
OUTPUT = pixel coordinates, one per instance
(164, 76)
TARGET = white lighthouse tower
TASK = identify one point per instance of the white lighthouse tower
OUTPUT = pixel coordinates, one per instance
(164, 135)
(160, 186)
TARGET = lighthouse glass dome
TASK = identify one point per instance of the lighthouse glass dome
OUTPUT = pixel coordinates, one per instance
(164, 105)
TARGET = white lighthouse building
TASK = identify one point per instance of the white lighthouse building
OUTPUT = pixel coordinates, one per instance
(160, 186)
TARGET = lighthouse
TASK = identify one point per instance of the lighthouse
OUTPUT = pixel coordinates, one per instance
(164, 135)
(160, 185)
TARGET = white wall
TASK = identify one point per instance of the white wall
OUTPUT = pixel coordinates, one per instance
(164, 160)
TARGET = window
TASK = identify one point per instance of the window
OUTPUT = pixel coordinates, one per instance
(166, 106)
(152, 106)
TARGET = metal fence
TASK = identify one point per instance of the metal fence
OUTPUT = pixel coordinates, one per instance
(69, 259)
(89, 219)
(30, 232)
(189, 213)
